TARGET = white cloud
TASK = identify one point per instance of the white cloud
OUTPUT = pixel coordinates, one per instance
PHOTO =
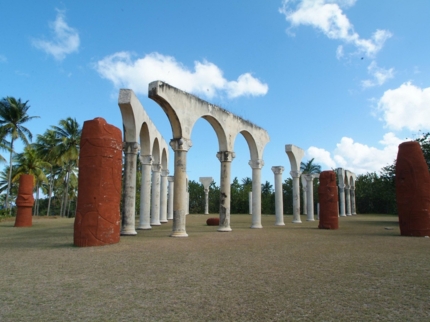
(339, 52)
(380, 75)
(328, 17)
(406, 107)
(3, 59)
(206, 78)
(357, 157)
(65, 41)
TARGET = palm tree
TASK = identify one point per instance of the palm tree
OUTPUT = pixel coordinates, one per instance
(69, 134)
(310, 167)
(29, 162)
(13, 114)
(46, 148)
(4, 180)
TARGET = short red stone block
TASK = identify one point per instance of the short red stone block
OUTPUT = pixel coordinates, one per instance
(327, 193)
(412, 190)
(25, 201)
(212, 221)
(97, 221)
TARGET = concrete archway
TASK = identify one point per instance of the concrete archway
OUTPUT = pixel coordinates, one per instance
(183, 110)
(139, 134)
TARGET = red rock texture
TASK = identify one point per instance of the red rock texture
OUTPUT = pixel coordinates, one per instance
(327, 193)
(412, 190)
(97, 221)
(212, 221)
(25, 201)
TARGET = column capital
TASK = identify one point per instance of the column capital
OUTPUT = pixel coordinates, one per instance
(130, 147)
(226, 156)
(278, 169)
(256, 164)
(341, 185)
(165, 172)
(181, 144)
(295, 174)
(146, 159)
(156, 167)
(171, 178)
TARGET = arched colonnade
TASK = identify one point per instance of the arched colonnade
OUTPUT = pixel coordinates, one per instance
(141, 134)
(346, 182)
(183, 110)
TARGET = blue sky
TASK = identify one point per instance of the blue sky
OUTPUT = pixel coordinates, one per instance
(345, 80)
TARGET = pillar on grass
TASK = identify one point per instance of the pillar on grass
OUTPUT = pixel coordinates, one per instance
(206, 182)
(171, 180)
(295, 155)
(279, 204)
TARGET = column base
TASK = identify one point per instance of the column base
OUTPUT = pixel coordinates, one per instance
(342, 215)
(179, 234)
(348, 214)
(128, 233)
(256, 226)
(310, 219)
(144, 227)
(224, 229)
(155, 224)
(279, 224)
(297, 221)
(164, 221)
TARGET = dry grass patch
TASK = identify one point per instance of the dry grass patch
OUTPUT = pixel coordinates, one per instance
(295, 272)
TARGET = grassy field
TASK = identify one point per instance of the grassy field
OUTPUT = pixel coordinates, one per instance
(365, 271)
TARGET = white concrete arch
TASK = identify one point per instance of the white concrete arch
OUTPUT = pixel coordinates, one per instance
(183, 110)
(138, 128)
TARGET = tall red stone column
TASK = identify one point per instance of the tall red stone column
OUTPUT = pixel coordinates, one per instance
(97, 219)
(25, 201)
(327, 193)
(412, 190)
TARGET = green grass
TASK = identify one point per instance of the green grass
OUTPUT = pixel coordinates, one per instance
(296, 272)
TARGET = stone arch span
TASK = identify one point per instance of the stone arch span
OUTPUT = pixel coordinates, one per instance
(183, 110)
(140, 134)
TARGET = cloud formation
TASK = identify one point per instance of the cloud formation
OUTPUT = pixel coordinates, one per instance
(206, 78)
(380, 75)
(407, 106)
(328, 17)
(357, 157)
(65, 39)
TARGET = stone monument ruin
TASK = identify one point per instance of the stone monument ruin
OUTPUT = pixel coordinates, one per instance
(25, 201)
(346, 183)
(97, 221)
(295, 155)
(279, 202)
(206, 182)
(412, 190)
(328, 201)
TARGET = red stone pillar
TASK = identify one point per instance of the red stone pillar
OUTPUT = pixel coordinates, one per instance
(97, 219)
(25, 201)
(412, 190)
(327, 193)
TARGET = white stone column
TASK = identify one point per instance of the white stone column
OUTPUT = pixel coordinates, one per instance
(304, 193)
(225, 157)
(352, 191)
(279, 203)
(187, 198)
(256, 166)
(296, 196)
(348, 200)
(171, 180)
(145, 193)
(310, 195)
(206, 182)
(342, 200)
(163, 196)
(129, 211)
(155, 200)
(181, 147)
(250, 202)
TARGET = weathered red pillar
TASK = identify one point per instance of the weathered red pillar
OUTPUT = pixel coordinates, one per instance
(412, 190)
(97, 219)
(327, 193)
(25, 201)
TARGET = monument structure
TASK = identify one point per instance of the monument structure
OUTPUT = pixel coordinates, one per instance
(206, 182)
(183, 110)
(279, 202)
(304, 193)
(328, 201)
(154, 155)
(309, 178)
(25, 201)
(97, 220)
(295, 155)
(412, 190)
(346, 182)
(171, 180)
